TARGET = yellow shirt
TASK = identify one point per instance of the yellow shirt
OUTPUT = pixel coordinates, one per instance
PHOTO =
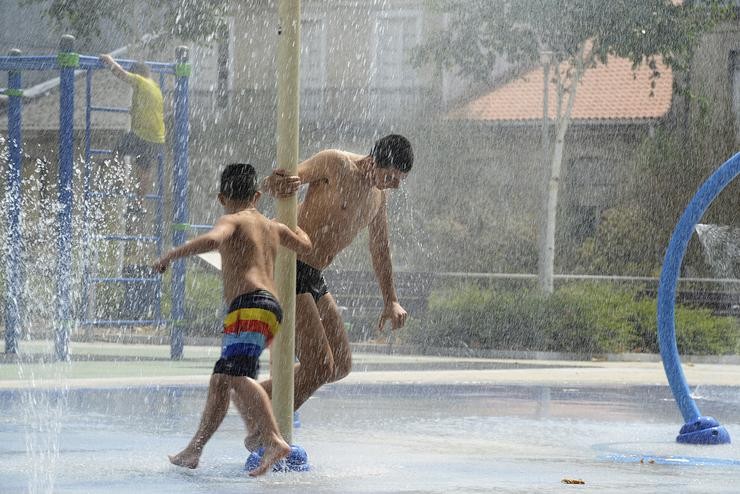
(147, 109)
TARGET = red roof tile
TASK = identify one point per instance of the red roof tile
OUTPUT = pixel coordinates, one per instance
(606, 92)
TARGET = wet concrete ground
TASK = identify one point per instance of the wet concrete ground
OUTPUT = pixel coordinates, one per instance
(396, 424)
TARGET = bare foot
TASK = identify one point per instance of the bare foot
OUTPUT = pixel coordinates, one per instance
(185, 459)
(275, 450)
(253, 441)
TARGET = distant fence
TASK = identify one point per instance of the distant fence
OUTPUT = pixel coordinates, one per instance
(358, 292)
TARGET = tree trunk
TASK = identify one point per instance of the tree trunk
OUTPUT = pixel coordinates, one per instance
(547, 246)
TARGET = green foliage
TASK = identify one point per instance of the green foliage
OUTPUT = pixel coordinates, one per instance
(479, 34)
(579, 318)
(481, 244)
(621, 245)
(482, 31)
(667, 170)
(189, 20)
(699, 333)
(204, 304)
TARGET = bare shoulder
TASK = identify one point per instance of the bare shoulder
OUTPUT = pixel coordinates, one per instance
(227, 220)
(277, 228)
(331, 154)
(324, 166)
(341, 160)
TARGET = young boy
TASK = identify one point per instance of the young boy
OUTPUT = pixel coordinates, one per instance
(248, 243)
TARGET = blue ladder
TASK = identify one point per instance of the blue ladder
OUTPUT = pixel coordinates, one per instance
(92, 241)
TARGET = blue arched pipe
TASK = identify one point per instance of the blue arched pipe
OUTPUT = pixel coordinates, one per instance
(697, 429)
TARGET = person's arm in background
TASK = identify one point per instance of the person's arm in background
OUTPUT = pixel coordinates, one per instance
(117, 70)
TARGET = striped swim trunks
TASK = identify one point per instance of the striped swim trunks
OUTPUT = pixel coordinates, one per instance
(250, 324)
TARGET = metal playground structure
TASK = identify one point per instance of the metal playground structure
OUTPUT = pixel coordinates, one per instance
(69, 65)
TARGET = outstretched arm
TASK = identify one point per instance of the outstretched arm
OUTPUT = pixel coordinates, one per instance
(207, 242)
(117, 70)
(381, 256)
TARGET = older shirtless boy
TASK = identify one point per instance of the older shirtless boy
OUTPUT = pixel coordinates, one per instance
(248, 243)
(346, 193)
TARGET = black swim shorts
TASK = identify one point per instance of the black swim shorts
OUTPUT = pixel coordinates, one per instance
(310, 280)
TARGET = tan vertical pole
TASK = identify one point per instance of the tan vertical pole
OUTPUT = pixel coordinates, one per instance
(288, 79)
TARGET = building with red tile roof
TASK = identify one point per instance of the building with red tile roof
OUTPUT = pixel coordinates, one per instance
(607, 92)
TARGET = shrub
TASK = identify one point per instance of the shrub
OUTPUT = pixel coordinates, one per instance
(621, 244)
(583, 318)
(204, 303)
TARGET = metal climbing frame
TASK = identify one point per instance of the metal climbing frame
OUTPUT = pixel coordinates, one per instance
(67, 62)
(90, 241)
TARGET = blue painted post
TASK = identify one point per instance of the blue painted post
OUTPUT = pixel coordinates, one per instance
(85, 193)
(67, 60)
(180, 197)
(697, 429)
(14, 247)
(159, 212)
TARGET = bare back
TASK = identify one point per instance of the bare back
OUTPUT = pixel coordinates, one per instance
(339, 203)
(248, 255)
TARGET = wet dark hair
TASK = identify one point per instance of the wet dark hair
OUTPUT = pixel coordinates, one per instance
(239, 182)
(393, 151)
(141, 68)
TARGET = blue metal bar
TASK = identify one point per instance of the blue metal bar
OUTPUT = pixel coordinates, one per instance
(123, 322)
(28, 62)
(667, 294)
(140, 238)
(92, 62)
(128, 195)
(14, 247)
(159, 212)
(88, 120)
(180, 197)
(50, 62)
(109, 109)
(86, 193)
(66, 146)
(123, 279)
(201, 227)
(100, 151)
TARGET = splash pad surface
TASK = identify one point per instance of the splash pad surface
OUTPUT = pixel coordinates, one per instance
(389, 428)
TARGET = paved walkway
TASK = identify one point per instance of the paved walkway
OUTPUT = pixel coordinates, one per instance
(106, 365)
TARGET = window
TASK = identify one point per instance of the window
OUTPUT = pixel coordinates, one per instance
(394, 85)
(212, 65)
(313, 66)
(395, 35)
(590, 188)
